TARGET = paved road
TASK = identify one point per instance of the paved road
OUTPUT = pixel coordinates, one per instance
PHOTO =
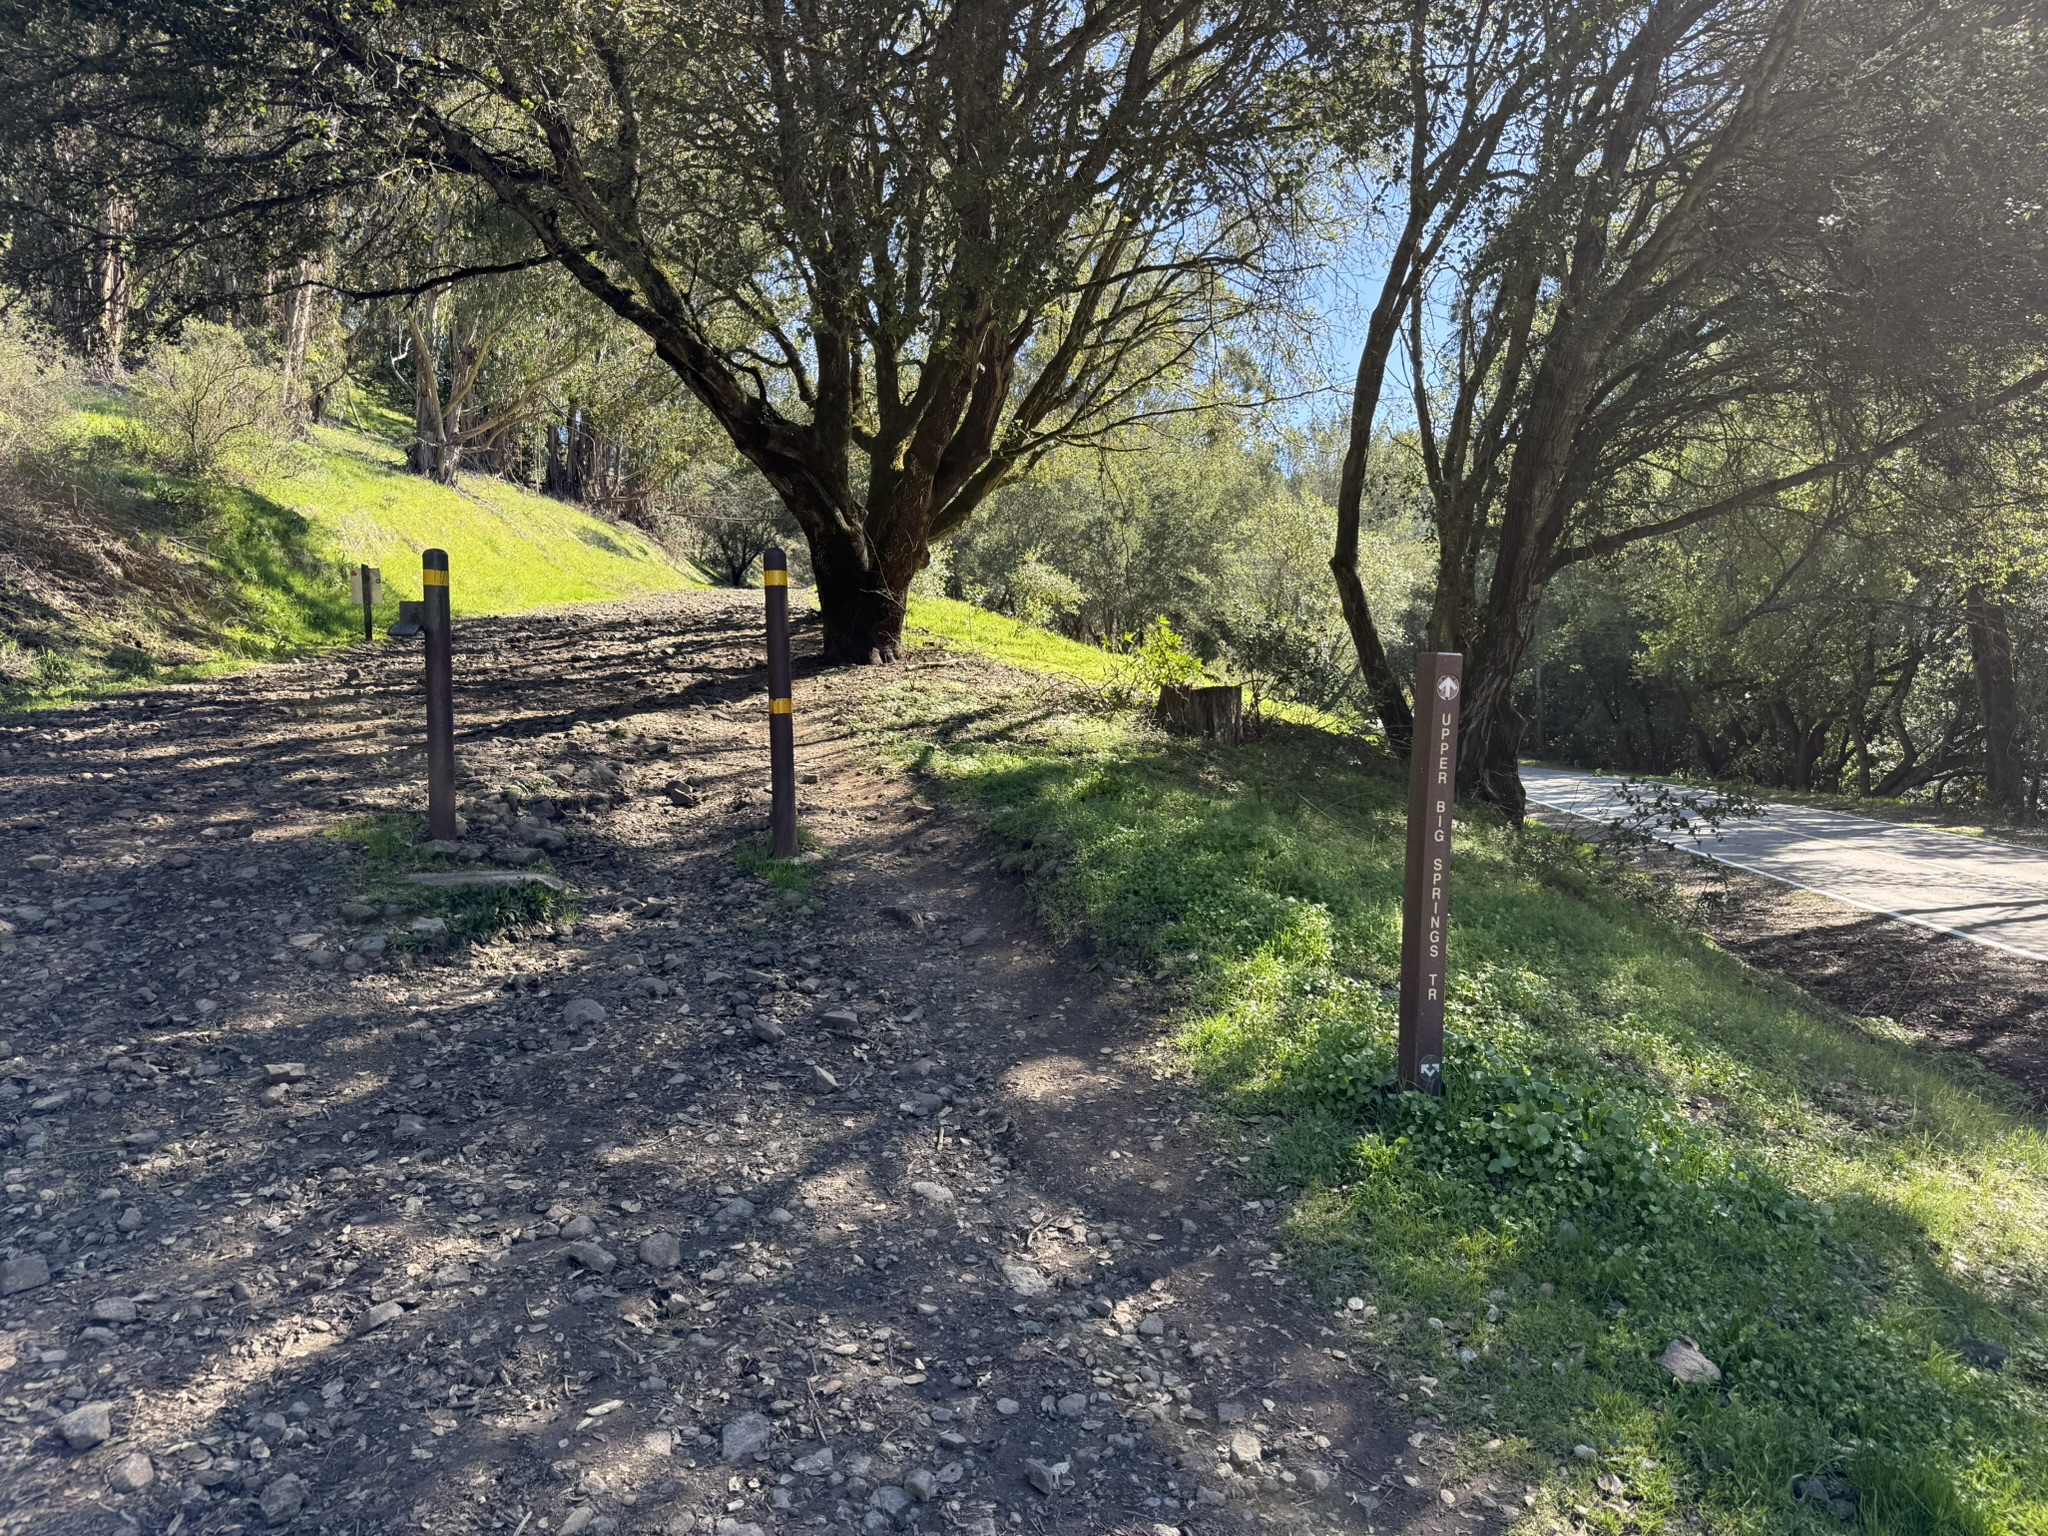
(1990, 893)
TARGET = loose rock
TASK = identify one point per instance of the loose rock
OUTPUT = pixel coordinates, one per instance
(23, 1274)
(86, 1426)
(132, 1473)
(593, 1258)
(1983, 1354)
(661, 1250)
(382, 1313)
(745, 1436)
(283, 1499)
(582, 1013)
(1023, 1280)
(889, 1500)
(1682, 1358)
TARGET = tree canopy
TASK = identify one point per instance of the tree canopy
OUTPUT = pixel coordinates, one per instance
(1634, 269)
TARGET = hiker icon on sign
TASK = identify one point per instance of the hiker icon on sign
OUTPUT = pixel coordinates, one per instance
(1447, 688)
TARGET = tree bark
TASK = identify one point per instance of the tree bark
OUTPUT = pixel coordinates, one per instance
(861, 608)
(298, 338)
(113, 288)
(1441, 179)
(1997, 702)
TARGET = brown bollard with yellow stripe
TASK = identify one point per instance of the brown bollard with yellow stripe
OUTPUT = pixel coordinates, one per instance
(781, 719)
(440, 695)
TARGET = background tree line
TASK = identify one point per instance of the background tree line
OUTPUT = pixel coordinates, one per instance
(1702, 333)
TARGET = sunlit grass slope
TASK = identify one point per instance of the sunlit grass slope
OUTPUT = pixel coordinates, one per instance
(140, 574)
(508, 548)
(1641, 1140)
(1004, 639)
(942, 621)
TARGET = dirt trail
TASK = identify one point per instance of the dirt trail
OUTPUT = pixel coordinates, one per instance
(349, 1241)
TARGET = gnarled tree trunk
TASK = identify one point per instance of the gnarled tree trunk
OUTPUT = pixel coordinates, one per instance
(2005, 784)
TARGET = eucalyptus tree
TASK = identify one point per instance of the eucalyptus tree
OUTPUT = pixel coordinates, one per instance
(1648, 238)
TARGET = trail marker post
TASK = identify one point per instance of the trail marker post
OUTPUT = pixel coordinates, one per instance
(440, 695)
(781, 707)
(366, 587)
(1425, 896)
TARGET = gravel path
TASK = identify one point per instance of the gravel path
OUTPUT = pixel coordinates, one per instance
(855, 1210)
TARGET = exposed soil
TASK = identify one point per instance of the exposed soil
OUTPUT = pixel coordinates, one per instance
(353, 1240)
(1983, 1003)
(72, 565)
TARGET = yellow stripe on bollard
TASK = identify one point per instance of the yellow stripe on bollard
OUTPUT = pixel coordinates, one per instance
(775, 578)
(781, 707)
(433, 578)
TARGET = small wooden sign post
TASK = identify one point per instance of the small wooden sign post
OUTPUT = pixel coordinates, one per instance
(366, 586)
(1425, 898)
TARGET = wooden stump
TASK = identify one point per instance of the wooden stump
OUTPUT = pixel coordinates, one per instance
(1217, 713)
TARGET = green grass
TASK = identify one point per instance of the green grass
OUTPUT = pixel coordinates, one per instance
(257, 568)
(509, 549)
(1640, 1139)
(390, 846)
(758, 859)
(964, 627)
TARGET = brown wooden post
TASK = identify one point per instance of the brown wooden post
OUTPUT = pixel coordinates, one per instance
(1425, 897)
(434, 620)
(366, 586)
(781, 707)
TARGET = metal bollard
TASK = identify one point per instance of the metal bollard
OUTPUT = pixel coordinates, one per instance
(781, 719)
(440, 695)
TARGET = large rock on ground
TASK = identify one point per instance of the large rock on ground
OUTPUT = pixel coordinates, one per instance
(744, 1436)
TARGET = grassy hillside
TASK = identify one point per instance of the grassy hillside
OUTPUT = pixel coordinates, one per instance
(112, 570)
(966, 627)
(1641, 1140)
(963, 626)
(508, 548)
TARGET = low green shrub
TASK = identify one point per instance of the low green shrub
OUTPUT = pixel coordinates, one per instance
(391, 846)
